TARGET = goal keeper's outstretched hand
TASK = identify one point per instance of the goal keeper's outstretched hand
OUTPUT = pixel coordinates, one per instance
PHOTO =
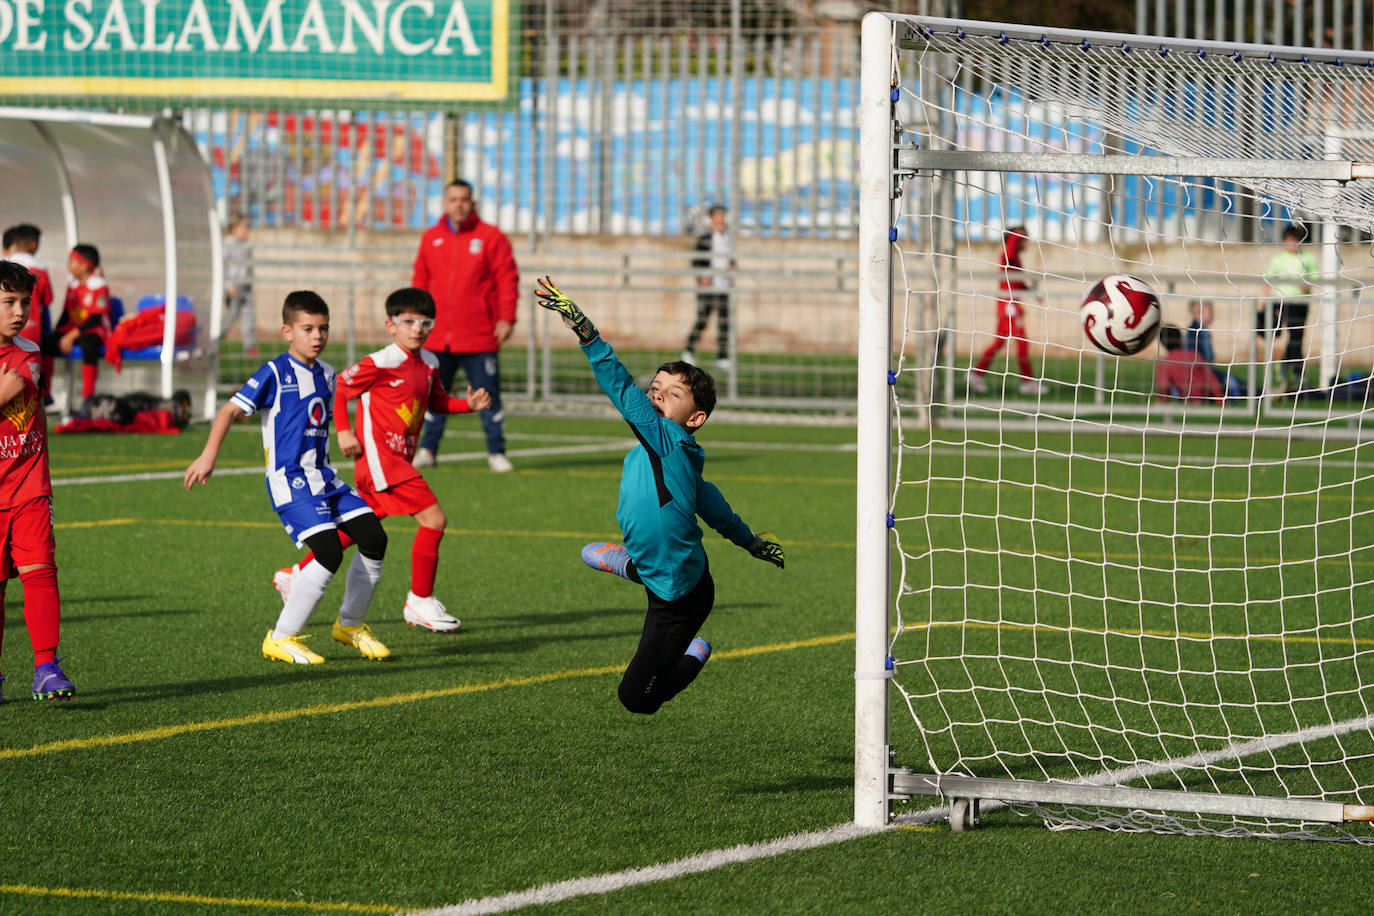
(766, 547)
(551, 298)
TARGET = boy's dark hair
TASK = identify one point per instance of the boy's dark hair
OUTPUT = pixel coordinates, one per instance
(1295, 232)
(703, 387)
(1170, 338)
(89, 252)
(305, 301)
(715, 208)
(460, 183)
(15, 278)
(7, 239)
(26, 235)
(238, 219)
(410, 299)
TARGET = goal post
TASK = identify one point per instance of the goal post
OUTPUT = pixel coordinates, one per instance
(1080, 591)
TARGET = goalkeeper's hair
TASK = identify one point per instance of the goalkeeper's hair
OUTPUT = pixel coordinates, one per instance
(303, 301)
(15, 278)
(410, 299)
(703, 387)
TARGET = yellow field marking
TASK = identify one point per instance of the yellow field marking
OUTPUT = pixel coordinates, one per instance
(403, 525)
(321, 709)
(1163, 634)
(30, 890)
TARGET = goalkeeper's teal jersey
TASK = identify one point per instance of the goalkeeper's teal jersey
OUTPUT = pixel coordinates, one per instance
(661, 488)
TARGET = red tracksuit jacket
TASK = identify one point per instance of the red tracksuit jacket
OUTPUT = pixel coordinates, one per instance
(472, 276)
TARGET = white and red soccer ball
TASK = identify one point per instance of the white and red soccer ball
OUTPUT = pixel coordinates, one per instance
(1121, 315)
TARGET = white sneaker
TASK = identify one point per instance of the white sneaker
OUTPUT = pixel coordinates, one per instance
(499, 463)
(282, 579)
(977, 383)
(689, 357)
(725, 364)
(1033, 386)
(424, 458)
(429, 613)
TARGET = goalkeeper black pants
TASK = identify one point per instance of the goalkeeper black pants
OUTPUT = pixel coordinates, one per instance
(661, 669)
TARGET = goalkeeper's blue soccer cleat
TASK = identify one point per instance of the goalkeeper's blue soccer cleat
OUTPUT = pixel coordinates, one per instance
(49, 683)
(700, 649)
(607, 557)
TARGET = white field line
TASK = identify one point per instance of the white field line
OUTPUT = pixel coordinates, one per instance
(719, 858)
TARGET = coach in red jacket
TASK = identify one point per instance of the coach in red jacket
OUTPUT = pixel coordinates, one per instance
(467, 266)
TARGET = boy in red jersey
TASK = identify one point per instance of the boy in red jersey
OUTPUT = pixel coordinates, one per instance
(394, 387)
(24, 239)
(85, 315)
(27, 547)
(1011, 316)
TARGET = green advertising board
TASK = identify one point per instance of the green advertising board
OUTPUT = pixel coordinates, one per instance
(382, 50)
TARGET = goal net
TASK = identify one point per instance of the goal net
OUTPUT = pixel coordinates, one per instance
(1124, 592)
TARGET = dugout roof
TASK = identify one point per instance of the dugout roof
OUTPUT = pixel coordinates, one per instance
(136, 187)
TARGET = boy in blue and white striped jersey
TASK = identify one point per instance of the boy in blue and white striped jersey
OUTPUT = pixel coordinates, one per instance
(294, 392)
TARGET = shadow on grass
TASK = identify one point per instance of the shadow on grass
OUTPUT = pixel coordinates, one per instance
(810, 782)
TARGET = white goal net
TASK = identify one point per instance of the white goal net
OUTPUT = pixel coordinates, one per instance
(1123, 592)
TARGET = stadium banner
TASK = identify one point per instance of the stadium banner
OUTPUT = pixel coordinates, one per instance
(379, 50)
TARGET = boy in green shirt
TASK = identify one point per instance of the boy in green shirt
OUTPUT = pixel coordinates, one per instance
(661, 494)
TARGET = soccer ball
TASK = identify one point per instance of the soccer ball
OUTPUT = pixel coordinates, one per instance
(1120, 315)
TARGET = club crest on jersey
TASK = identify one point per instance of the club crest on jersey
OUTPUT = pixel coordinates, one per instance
(475, 246)
(298, 483)
(20, 409)
(411, 414)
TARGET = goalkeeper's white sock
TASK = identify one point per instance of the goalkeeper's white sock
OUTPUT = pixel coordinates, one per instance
(360, 583)
(307, 588)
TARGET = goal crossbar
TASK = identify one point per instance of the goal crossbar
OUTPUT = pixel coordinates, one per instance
(910, 159)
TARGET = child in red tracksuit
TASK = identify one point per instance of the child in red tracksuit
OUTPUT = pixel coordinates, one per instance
(1011, 316)
(85, 316)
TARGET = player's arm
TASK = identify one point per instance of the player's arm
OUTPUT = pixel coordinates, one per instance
(716, 512)
(615, 380)
(200, 470)
(347, 386)
(11, 385)
(441, 402)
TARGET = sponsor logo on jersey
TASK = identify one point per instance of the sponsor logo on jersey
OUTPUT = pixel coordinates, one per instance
(438, 241)
(315, 412)
(396, 382)
(297, 484)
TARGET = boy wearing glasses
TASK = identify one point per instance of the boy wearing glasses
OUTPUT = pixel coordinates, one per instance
(394, 387)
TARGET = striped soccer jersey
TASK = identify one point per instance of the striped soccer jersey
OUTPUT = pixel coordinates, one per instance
(296, 402)
(394, 388)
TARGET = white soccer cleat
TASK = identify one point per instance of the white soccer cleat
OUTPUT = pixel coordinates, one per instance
(282, 579)
(499, 463)
(689, 357)
(424, 458)
(429, 613)
(977, 383)
(1033, 386)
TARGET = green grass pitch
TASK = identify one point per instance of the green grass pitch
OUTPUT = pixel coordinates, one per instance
(190, 775)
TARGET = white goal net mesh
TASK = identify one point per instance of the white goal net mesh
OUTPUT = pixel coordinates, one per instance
(1151, 571)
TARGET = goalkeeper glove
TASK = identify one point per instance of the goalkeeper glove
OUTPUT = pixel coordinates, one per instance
(551, 298)
(764, 547)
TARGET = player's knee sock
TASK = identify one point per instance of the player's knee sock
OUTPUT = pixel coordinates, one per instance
(88, 374)
(345, 542)
(306, 592)
(424, 561)
(360, 583)
(42, 612)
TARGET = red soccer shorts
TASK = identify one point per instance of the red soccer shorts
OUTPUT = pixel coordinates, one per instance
(405, 498)
(26, 537)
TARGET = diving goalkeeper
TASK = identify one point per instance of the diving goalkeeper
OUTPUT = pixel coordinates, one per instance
(661, 494)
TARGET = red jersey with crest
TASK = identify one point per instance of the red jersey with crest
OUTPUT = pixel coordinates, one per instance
(23, 430)
(394, 389)
(87, 299)
(42, 296)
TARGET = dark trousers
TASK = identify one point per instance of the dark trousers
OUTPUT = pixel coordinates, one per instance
(90, 343)
(660, 670)
(1290, 316)
(482, 371)
(706, 304)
